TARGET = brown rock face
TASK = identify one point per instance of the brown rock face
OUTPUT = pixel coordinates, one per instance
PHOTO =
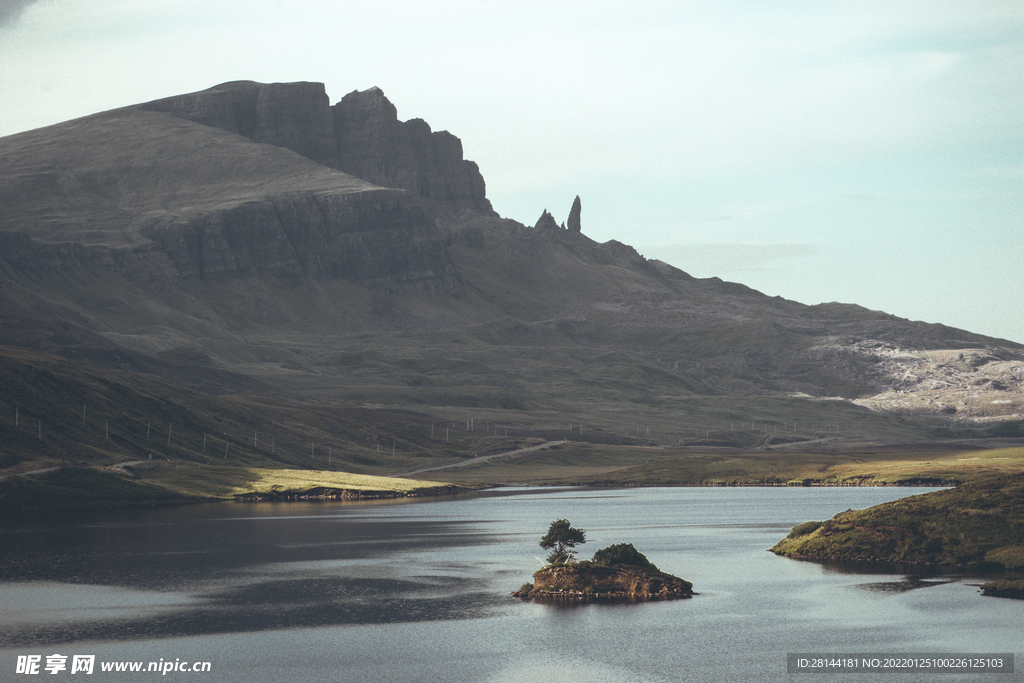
(586, 580)
(574, 216)
(374, 145)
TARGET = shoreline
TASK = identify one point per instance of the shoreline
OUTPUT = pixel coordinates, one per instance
(66, 489)
(326, 494)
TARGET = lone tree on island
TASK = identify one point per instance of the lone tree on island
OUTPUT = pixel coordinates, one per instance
(560, 540)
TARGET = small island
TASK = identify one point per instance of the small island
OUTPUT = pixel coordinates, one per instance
(617, 572)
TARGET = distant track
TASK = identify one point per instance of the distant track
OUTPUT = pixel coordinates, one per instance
(122, 465)
(119, 466)
(25, 474)
(480, 459)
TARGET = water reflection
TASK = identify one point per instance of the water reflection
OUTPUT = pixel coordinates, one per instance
(908, 583)
(294, 603)
(194, 571)
(170, 556)
(913, 571)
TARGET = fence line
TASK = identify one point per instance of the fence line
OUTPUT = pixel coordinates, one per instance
(128, 431)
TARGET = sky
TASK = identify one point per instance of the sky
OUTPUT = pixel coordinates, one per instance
(867, 152)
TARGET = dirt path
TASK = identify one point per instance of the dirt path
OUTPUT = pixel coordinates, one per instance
(23, 474)
(480, 459)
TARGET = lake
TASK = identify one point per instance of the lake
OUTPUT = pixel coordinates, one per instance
(418, 590)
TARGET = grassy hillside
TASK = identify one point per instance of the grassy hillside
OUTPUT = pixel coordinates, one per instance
(78, 487)
(58, 412)
(976, 524)
(601, 465)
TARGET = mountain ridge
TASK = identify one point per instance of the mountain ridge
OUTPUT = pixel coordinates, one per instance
(253, 238)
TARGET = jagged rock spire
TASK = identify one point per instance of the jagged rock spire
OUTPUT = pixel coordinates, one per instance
(546, 222)
(574, 216)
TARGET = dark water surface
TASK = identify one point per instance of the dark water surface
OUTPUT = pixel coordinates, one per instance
(419, 591)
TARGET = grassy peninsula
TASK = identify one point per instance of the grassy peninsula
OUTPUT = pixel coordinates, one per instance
(264, 483)
(149, 482)
(976, 525)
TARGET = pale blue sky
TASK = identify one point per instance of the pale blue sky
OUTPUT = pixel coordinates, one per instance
(865, 152)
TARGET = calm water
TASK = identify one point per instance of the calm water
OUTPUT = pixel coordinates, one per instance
(418, 591)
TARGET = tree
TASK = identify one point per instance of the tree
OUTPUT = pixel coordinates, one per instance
(623, 553)
(560, 540)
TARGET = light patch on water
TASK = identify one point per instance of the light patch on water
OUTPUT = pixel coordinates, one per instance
(35, 603)
(568, 669)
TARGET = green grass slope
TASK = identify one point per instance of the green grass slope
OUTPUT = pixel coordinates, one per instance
(56, 412)
(978, 524)
(79, 487)
(937, 464)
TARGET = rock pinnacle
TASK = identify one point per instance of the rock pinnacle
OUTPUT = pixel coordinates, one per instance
(574, 216)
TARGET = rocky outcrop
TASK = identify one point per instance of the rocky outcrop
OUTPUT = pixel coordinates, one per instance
(573, 224)
(379, 238)
(374, 145)
(586, 580)
(1006, 588)
(292, 115)
(360, 135)
(980, 385)
(189, 202)
(546, 222)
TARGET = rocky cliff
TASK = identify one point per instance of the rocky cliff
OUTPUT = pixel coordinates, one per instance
(159, 198)
(373, 144)
(292, 115)
(360, 135)
(378, 239)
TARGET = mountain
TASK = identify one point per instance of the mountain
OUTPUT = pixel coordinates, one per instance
(253, 239)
